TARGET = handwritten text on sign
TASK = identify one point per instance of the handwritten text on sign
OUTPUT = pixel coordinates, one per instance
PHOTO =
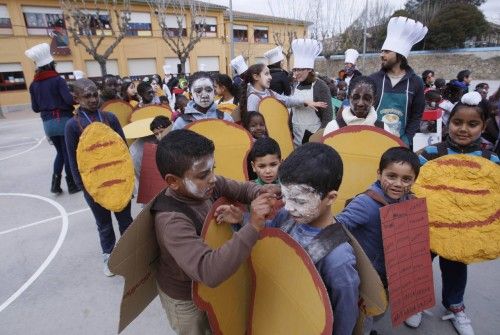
(405, 233)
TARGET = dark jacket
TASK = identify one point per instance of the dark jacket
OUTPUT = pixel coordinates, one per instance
(416, 99)
(280, 82)
(51, 95)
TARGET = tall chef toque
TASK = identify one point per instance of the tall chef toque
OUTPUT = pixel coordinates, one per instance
(274, 55)
(40, 54)
(402, 34)
(305, 51)
(239, 65)
(351, 55)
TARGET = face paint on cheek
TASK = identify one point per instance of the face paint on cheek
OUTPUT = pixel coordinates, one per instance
(203, 92)
(302, 202)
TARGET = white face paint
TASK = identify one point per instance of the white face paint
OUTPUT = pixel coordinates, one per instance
(203, 92)
(200, 187)
(302, 202)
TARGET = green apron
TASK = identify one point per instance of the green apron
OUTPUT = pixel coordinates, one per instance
(392, 109)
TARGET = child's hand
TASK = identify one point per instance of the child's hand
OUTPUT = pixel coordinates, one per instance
(228, 214)
(261, 209)
(316, 104)
(271, 188)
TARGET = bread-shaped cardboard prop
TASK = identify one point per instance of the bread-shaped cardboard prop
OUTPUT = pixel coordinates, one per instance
(227, 108)
(463, 198)
(360, 148)
(150, 181)
(138, 129)
(120, 108)
(150, 112)
(232, 145)
(105, 166)
(276, 117)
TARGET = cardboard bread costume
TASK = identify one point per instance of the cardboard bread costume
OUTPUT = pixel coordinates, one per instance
(120, 108)
(150, 111)
(276, 116)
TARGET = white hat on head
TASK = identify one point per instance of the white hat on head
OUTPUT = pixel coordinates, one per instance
(402, 34)
(40, 54)
(305, 51)
(239, 65)
(351, 55)
(167, 69)
(78, 74)
(274, 55)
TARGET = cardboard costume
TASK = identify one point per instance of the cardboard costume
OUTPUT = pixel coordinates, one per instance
(150, 112)
(120, 108)
(276, 116)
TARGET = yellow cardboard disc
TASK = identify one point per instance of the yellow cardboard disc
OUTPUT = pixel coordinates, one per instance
(463, 198)
(276, 117)
(226, 108)
(150, 112)
(138, 129)
(120, 108)
(105, 166)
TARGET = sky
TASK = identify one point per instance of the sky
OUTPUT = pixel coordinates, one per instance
(491, 8)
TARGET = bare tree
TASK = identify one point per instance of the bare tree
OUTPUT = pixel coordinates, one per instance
(90, 23)
(172, 17)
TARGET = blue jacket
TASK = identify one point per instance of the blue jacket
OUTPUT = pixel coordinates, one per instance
(49, 95)
(362, 217)
(338, 271)
(191, 110)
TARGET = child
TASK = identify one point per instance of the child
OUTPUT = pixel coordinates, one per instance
(465, 125)
(158, 126)
(86, 94)
(202, 106)
(186, 162)
(180, 106)
(129, 93)
(255, 124)
(257, 80)
(225, 88)
(146, 95)
(362, 92)
(265, 159)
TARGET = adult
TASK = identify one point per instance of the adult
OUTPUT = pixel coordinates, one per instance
(351, 71)
(308, 88)
(464, 79)
(428, 79)
(51, 97)
(240, 67)
(400, 92)
(280, 82)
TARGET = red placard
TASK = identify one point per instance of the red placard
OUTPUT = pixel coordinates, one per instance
(150, 183)
(405, 233)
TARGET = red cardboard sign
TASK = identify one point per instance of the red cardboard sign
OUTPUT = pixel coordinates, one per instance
(405, 233)
(150, 183)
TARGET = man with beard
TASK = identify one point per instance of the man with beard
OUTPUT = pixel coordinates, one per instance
(400, 92)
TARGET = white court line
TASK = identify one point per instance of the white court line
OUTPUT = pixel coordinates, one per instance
(16, 145)
(24, 151)
(53, 253)
(16, 123)
(41, 221)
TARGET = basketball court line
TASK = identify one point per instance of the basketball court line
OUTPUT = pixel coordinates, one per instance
(17, 145)
(24, 151)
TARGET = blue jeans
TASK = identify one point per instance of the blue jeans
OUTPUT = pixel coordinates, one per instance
(61, 159)
(104, 224)
(454, 280)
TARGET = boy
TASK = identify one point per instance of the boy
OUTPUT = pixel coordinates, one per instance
(310, 178)
(86, 94)
(398, 170)
(265, 159)
(186, 162)
(158, 126)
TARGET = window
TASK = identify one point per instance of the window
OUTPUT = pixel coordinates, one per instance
(209, 64)
(94, 69)
(240, 33)
(11, 77)
(5, 24)
(142, 66)
(65, 69)
(99, 23)
(172, 25)
(210, 27)
(43, 20)
(139, 24)
(173, 62)
(260, 35)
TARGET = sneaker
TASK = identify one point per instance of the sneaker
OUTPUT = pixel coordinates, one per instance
(414, 320)
(461, 322)
(107, 272)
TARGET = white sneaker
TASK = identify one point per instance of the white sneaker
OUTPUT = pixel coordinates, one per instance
(414, 320)
(461, 323)
(107, 272)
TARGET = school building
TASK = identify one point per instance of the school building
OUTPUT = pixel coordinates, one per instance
(143, 51)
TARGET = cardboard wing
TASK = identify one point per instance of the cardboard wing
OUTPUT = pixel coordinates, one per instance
(360, 148)
(135, 258)
(276, 117)
(120, 108)
(150, 183)
(150, 112)
(232, 145)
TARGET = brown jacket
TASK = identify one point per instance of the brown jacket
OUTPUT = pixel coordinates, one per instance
(184, 256)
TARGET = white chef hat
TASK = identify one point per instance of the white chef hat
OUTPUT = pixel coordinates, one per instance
(351, 55)
(167, 69)
(274, 55)
(239, 65)
(305, 51)
(402, 34)
(78, 74)
(40, 54)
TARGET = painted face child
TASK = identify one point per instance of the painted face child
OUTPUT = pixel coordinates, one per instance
(203, 92)
(361, 98)
(255, 124)
(397, 172)
(87, 95)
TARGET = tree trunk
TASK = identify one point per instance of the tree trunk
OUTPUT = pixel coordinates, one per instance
(183, 65)
(288, 61)
(102, 64)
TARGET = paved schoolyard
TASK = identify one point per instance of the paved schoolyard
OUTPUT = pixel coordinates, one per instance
(51, 279)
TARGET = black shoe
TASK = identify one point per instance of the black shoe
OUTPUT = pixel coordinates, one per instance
(56, 184)
(72, 187)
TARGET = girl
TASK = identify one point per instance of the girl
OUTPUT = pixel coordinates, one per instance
(465, 125)
(362, 92)
(129, 93)
(225, 88)
(156, 85)
(255, 124)
(257, 80)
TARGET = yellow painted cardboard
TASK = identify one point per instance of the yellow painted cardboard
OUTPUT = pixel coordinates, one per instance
(120, 108)
(463, 198)
(276, 117)
(226, 108)
(105, 166)
(150, 112)
(138, 129)
(360, 148)
(232, 144)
